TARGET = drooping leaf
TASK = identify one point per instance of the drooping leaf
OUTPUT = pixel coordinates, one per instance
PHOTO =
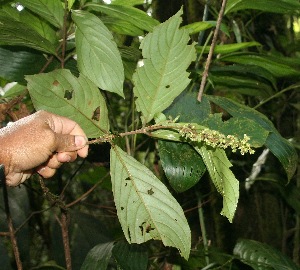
(97, 54)
(132, 15)
(182, 165)
(279, 146)
(15, 33)
(228, 48)
(224, 180)
(278, 6)
(75, 98)
(50, 10)
(130, 256)
(163, 76)
(145, 207)
(98, 257)
(261, 256)
(279, 67)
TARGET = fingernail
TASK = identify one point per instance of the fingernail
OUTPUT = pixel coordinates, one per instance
(80, 140)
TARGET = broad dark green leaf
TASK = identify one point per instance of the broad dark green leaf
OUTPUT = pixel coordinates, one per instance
(77, 98)
(278, 66)
(247, 71)
(278, 6)
(182, 165)
(132, 15)
(279, 146)
(15, 33)
(261, 256)
(50, 10)
(97, 53)
(241, 84)
(228, 48)
(130, 256)
(122, 27)
(29, 19)
(98, 257)
(15, 64)
(163, 76)
(145, 207)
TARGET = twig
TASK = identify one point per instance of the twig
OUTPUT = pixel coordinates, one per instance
(65, 235)
(211, 51)
(83, 196)
(9, 221)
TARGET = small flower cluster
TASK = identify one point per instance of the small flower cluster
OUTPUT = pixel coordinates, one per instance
(214, 139)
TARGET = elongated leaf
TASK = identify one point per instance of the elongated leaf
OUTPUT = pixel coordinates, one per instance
(98, 56)
(130, 256)
(145, 207)
(228, 48)
(132, 15)
(29, 19)
(183, 170)
(128, 2)
(279, 146)
(163, 76)
(15, 33)
(278, 66)
(98, 257)
(77, 98)
(261, 256)
(197, 27)
(278, 6)
(224, 180)
(51, 10)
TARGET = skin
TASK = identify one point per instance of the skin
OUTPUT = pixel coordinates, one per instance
(40, 143)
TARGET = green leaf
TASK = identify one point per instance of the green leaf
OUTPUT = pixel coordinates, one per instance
(98, 257)
(183, 170)
(17, 63)
(261, 256)
(76, 98)
(50, 10)
(15, 33)
(228, 48)
(122, 27)
(145, 207)
(197, 27)
(279, 67)
(31, 20)
(128, 2)
(97, 54)
(132, 15)
(130, 256)
(279, 146)
(163, 76)
(224, 180)
(16, 90)
(278, 6)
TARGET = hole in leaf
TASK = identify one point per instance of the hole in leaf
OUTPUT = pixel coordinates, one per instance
(122, 208)
(129, 234)
(150, 191)
(96, 114)
(168, 86)
(68, 94)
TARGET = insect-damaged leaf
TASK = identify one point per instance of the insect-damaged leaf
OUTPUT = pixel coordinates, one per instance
(145, 207)
(75, 98)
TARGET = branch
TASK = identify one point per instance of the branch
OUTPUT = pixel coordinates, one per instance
(9, 221)
(211, 51)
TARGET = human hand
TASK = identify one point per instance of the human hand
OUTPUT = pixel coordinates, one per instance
(40, 143)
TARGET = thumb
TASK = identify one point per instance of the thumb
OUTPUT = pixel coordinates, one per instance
(69, 143)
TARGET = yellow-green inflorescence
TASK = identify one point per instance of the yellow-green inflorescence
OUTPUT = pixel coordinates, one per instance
(214, 139)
